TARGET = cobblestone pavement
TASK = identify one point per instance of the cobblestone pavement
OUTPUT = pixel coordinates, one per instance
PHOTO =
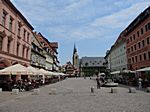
(73, 95)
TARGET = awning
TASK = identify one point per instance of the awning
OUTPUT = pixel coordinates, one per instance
(115, 72)
(143, 69)
(31, 70)
(128, 71)
(44, 72)
(14, 70)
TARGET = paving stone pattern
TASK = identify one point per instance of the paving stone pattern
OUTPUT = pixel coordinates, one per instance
(74, 95)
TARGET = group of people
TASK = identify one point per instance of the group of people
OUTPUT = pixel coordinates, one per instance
(23, 84)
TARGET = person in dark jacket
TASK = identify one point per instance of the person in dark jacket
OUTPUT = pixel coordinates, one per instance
(98, 82)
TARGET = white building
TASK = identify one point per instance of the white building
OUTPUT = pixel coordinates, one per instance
(117, 58)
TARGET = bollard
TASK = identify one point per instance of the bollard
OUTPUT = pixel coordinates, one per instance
(36, 91)
(0, 90)
(148, 89)
(132, 90)
(15, 91)
(92, 89)
(113, 90)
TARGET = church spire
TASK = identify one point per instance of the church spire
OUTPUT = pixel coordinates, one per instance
(75, 57)
(74, 50)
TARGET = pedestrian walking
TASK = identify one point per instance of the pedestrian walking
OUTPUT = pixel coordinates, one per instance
(140, 83)
(98, 82)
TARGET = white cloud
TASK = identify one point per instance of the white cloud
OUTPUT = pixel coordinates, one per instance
(69, 21)
(121, 18)
(76, 19)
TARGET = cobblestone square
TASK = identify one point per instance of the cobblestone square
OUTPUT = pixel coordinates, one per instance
(73, 95)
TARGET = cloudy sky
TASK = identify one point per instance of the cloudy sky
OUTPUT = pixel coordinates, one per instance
(93, 25)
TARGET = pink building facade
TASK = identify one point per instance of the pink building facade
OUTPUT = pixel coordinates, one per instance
(15, 36)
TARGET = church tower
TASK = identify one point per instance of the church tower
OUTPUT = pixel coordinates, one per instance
(75, 58)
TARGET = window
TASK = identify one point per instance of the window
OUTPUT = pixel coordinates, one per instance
(135, 58)
(1, 43)
(140, 56)
(17, 49)
(27, 54)
(23, 52)
(144, 55)
(147, 27)
(86, 64)
(129, 60)
(138, 34)
(135, 47)
(132, 48)
(131, 38)
(24, 35)
(141, 31)
(127, 41)
(19, 28)
(143, 43)
(134, 36)
(10, 23)
(4, 18)
(148, 42)
(8, 46)
(132, 59)
(149, 55)
(139, 44)
(28, 36)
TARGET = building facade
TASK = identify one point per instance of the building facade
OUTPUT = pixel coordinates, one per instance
(69, 68)
(37, 54)
(15, 36)
(138, 41)
(107, 63)
(117, 56)
(50, 52)
(47, 51)
(54, 46)
(90, 65)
